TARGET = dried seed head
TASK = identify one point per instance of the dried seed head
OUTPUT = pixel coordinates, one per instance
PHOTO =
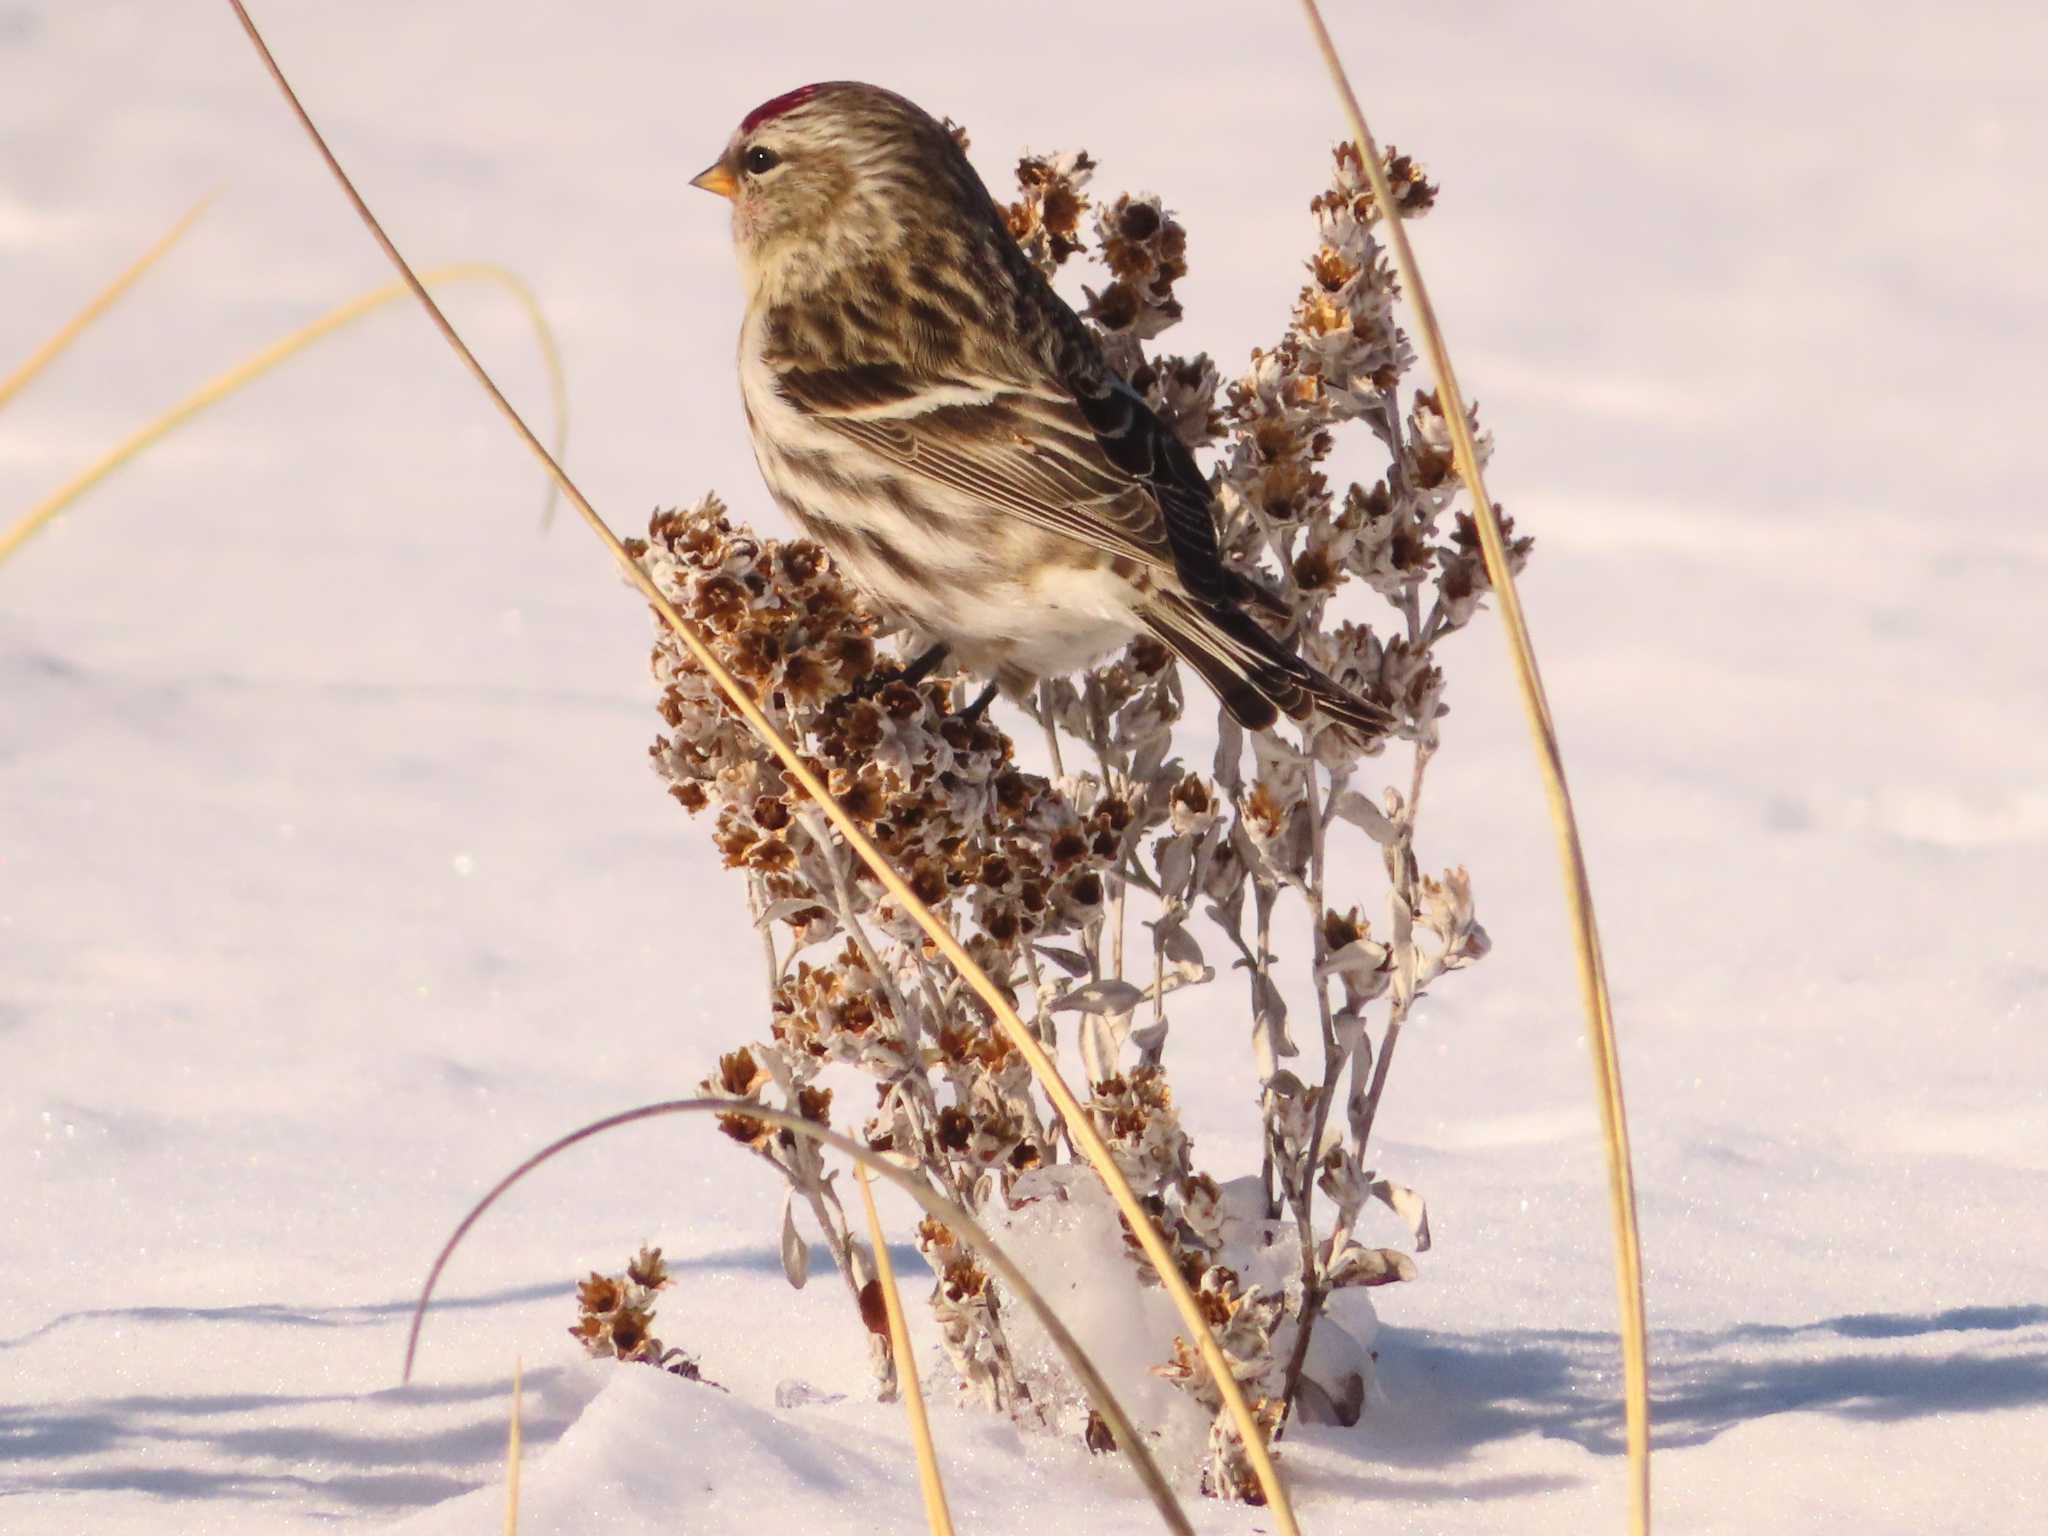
(1046, 219)
(647, 1270)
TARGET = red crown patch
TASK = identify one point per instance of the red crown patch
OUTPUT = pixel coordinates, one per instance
(774, 108)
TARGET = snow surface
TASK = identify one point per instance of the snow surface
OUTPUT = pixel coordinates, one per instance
(333, 880)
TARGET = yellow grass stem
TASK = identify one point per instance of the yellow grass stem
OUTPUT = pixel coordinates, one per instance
(1578, 885)
(937, 1206)
(259, 363)
(512, 1453)
(935, 1512)
(1079, 1125)
(107, 298)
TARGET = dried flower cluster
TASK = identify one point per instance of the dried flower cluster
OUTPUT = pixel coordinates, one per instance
(1049, 879)
(1144, 249)
(1015, 864)
(616, 1317)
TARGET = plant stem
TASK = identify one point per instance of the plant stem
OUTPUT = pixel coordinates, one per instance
(1313, 1293)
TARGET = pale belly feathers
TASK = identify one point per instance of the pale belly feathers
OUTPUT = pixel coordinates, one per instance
(1010, 600)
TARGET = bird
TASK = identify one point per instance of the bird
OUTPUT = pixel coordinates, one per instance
(926, 406)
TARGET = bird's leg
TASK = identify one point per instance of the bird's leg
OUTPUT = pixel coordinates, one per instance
(915, 671)
(923, 664)
(978, 707)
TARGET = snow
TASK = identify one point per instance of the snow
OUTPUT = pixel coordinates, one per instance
(333, 879)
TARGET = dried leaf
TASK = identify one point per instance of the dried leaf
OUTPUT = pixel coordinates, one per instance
(1102, 1044)
(796, 1253)
(1228, 913)
(1349, 1026)
(1072, 961)
(1340, 1177)
(1174, 858)
(789, 906)
(1356, 1265)
(1403, 948)
(1111, 994)
(1409, 1206)
(874, 1311)
(1150, 1040)
(1360, 958)
(1097, 1436)
(1151, 755)
(1175, 941)
(1270, 1040)
(1361, 812)
(1173, 978)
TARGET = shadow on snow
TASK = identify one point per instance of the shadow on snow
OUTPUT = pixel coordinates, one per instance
(1448, 1395)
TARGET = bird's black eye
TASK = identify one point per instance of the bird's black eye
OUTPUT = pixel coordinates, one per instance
(758, 161)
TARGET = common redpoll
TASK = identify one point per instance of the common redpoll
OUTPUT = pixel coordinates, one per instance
(929, 409)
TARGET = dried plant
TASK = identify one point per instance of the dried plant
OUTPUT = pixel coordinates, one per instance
(1053, 882)
(1502, 558)
(615, 1317)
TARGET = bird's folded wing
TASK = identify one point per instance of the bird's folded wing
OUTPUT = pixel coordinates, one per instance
(1134, 439)
(1032, 453)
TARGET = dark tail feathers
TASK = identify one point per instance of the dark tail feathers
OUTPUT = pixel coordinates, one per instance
(1256, 677)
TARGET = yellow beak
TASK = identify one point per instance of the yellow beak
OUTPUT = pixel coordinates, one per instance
(716, 178)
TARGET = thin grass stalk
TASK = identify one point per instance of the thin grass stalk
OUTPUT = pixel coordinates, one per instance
(259, 363)
(1578, 884)
(1080, 1127)
(935, 1205)
(512, 1438)
(936, 1514)
(105, 300)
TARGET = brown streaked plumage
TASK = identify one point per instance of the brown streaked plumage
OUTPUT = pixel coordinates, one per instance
(925, 405)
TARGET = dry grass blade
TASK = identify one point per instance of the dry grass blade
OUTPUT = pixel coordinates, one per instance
(1578, 886)
(935, 1205)
(935, 1512)
(105, 300)
(1080, 1126)
(259, 363)
(512, 1438)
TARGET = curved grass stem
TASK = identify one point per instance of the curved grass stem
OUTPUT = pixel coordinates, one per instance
(935, 1205)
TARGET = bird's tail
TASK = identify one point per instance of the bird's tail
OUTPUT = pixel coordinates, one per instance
(1256, 677)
